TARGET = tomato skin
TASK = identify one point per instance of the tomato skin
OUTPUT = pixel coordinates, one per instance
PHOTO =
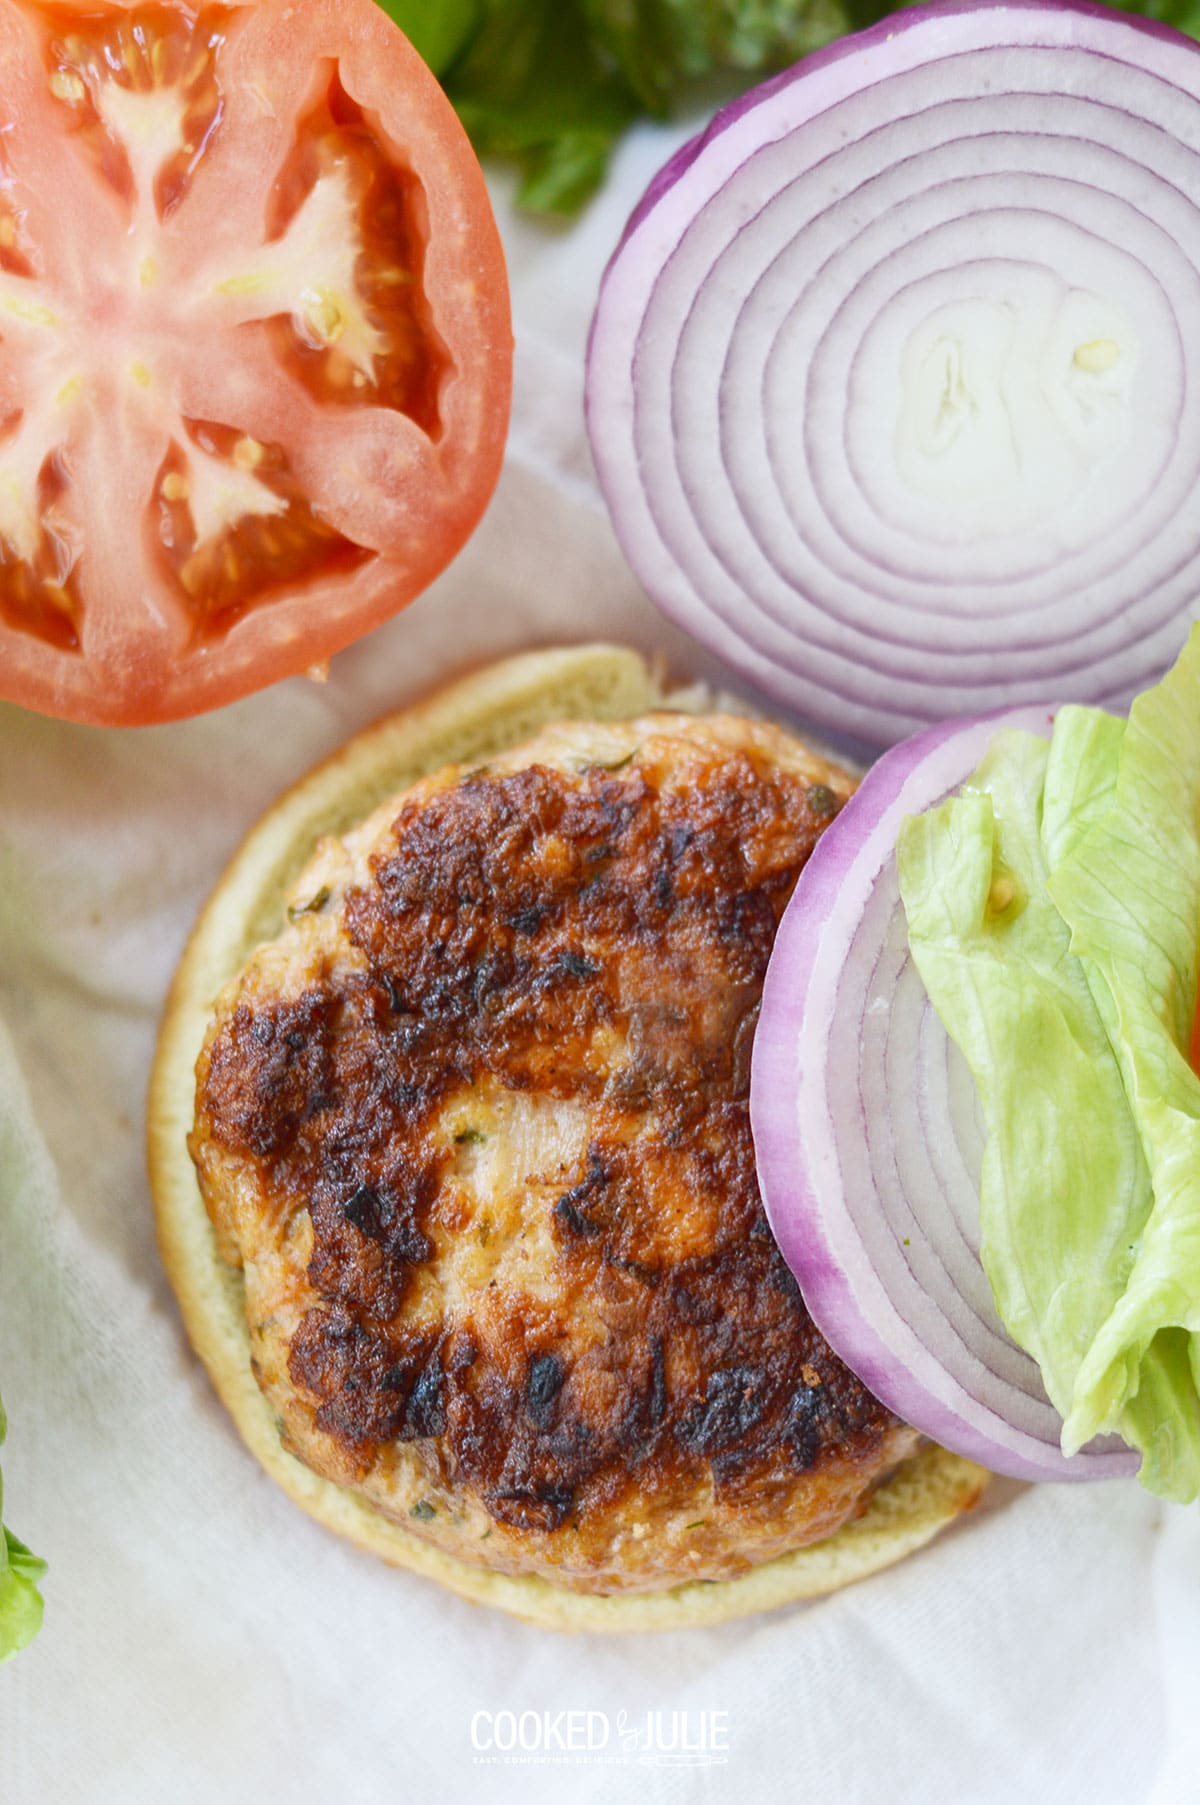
(399, 494)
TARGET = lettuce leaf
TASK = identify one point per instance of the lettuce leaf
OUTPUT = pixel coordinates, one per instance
(1130, 893)
(994, 956)
(20, 1600)
(1054, 915)
(1081, 776)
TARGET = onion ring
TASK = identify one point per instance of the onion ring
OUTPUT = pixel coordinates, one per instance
(889, 387)
(869, 1141)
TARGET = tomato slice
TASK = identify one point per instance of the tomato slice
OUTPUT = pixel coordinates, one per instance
(255, 346)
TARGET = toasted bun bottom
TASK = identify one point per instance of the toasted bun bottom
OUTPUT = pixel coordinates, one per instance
(468, 722)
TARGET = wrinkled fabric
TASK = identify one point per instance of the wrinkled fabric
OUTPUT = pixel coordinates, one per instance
(203, 1639)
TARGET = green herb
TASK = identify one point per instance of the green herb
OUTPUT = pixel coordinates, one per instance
(553, 84)
(313, 906)
(698, 1524)
(423, 1510)
(20, 1600)
(821, 800)
(616, 764)
(439, 30)
(470, 1137)
(1184, 15)
(659, 44)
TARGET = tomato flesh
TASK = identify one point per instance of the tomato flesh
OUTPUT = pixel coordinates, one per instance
(254, 345)
(258, 556)
(39, 592)
(409, 361)
(147, 52)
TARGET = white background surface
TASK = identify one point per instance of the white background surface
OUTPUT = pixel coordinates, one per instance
(204, 1641)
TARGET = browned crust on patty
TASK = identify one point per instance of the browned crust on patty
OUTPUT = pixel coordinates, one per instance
(601, 1369)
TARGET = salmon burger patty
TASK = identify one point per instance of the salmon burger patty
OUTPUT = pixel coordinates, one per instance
(475, 1128)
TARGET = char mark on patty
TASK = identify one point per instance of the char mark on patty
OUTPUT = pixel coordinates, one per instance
(596, 940)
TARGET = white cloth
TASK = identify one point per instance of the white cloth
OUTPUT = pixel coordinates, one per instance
(204, 1641)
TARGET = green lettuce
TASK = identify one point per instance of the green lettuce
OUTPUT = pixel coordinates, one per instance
(1129, 890)
(20, 1600)
(1054, 915)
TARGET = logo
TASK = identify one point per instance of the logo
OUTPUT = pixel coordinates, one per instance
(570, 1737)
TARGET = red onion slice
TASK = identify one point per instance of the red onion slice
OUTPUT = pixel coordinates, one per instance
(889, 387)
(869, 1141)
